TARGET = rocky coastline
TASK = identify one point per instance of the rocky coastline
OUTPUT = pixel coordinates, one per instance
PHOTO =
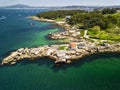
(77, 47)
(62, 23)
(53, 51)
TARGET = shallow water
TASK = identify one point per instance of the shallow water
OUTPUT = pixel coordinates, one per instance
(16, 30)
(97, 72)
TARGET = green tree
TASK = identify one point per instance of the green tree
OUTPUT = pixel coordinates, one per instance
(113, 10)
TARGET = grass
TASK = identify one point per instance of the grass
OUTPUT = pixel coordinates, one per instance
(63, 48)
(116, 14)
(59, 19)
(111, 33)
(103, 35)
(82, 32)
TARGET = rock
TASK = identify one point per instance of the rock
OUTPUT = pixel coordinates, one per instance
(57, 55)
(12, 63)
(68, 61)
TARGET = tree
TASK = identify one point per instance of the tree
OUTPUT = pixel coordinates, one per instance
(96, 28)
(113, 10)
(109, 11)
(106, 11)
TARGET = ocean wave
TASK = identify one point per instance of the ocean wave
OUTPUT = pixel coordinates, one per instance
(2, 17)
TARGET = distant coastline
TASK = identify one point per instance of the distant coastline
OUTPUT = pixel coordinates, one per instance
(72, 7)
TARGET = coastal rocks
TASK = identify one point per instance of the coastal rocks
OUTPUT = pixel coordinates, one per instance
(38, 19)
(12, 63)
(53, 52)
(24, 53)
(71, 33)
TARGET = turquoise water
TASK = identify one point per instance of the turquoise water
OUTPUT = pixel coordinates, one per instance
(97, 72)
(16, 30)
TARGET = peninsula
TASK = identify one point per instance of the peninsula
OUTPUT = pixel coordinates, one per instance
(78, 42)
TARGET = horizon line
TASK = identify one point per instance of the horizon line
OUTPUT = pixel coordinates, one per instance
(63, 5)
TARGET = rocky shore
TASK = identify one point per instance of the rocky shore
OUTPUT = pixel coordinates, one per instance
(70, 33)
(62, 23)
(53, 51)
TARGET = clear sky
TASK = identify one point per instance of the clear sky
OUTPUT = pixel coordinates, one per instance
(59, 2)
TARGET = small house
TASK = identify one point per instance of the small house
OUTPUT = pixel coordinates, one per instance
(73, 45)
(68, 17)
(80, 46)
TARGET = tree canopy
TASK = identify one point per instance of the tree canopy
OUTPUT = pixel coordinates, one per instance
(103, 18)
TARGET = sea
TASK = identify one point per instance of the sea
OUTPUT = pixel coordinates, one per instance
(95, 72)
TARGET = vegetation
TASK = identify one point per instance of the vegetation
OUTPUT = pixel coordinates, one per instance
(109, 11)
(104, 35)
(63, 48)
(92, 19)
(103, 24)
(58, 14)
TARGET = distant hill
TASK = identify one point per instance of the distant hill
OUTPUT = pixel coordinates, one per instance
(17, 6)
(74, 7)
(89, 7)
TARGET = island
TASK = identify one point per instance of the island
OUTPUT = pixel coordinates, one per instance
(85, 33)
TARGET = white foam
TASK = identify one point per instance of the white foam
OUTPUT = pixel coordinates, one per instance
(3, 17)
